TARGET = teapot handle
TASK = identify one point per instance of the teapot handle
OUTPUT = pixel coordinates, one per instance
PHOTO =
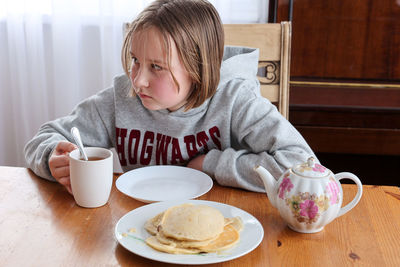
(353, 203)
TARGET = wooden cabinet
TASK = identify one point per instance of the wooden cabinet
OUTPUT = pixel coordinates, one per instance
(347, 40)
(345, 75)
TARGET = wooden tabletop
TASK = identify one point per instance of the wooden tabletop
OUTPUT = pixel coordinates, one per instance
(40, 225)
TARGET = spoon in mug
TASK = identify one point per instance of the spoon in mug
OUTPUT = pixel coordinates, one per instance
(78, 141)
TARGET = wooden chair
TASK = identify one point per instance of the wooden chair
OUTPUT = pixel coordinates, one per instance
(273, 40)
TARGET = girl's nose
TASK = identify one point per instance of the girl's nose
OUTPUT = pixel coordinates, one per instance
(140, 79)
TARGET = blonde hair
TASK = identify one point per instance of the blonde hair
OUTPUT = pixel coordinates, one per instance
(196, 29)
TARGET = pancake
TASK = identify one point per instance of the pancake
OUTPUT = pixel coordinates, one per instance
(227, 239)
(182, 243)
(152, 224)
(235, 222)
(188, 234)
(153, 242)
(192, 222)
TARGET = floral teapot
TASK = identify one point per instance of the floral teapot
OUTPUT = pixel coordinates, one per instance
(308, 196)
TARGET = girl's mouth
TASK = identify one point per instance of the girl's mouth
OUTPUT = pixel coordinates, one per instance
(144, 96)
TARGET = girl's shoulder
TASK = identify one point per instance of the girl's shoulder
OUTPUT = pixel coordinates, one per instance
(119, 90)
(237, 94)
(239, 88)
(121, 85)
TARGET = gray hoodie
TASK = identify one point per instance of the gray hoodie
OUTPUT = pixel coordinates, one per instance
(237, 129)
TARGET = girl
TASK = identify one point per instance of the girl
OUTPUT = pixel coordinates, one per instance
(184, 100)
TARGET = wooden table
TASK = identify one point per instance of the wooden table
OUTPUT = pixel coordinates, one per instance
(40, 225)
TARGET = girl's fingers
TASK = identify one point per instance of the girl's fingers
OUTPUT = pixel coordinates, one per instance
(60, 172)
(58, 161)
(69, 189)
(66, 182)
(65, 147)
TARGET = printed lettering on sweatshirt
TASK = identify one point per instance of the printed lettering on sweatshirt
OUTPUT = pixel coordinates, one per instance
(136, 147)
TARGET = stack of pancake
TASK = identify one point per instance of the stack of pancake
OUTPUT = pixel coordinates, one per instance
(192, 229)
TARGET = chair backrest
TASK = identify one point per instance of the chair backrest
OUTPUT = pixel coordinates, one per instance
(274, 41)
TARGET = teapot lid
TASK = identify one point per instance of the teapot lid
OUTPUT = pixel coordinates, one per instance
(311, 169)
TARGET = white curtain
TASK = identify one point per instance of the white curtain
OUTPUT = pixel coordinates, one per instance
(55, 53)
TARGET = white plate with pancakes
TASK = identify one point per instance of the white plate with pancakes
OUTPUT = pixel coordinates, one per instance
(131, 233)
(164, 183)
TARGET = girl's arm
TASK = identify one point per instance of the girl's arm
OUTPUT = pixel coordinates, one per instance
(95, 119)
(260, 136)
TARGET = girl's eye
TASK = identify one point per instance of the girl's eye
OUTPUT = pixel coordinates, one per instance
(134, 62)
(156, 67)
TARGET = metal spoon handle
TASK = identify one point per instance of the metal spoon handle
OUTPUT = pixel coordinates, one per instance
(77, 137)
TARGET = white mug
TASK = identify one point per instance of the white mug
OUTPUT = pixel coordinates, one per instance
(91, 181)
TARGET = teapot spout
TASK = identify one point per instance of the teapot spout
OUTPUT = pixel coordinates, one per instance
(269, 184)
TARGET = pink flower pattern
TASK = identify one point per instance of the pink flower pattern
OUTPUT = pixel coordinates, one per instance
(333, 188)
(318, 168)
(308, 209)
(286, 185)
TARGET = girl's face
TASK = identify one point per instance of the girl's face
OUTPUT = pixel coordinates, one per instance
(150, 75)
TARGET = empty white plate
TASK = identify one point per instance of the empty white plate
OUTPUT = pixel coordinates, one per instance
(163, 183)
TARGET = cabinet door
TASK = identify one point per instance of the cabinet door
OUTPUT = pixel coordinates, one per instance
(345, 74)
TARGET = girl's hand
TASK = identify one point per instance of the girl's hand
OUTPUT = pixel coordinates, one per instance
(197, 162)
(59, 163)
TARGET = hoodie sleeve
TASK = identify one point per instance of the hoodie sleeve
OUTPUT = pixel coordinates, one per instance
(260, 135)
(94, 117)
